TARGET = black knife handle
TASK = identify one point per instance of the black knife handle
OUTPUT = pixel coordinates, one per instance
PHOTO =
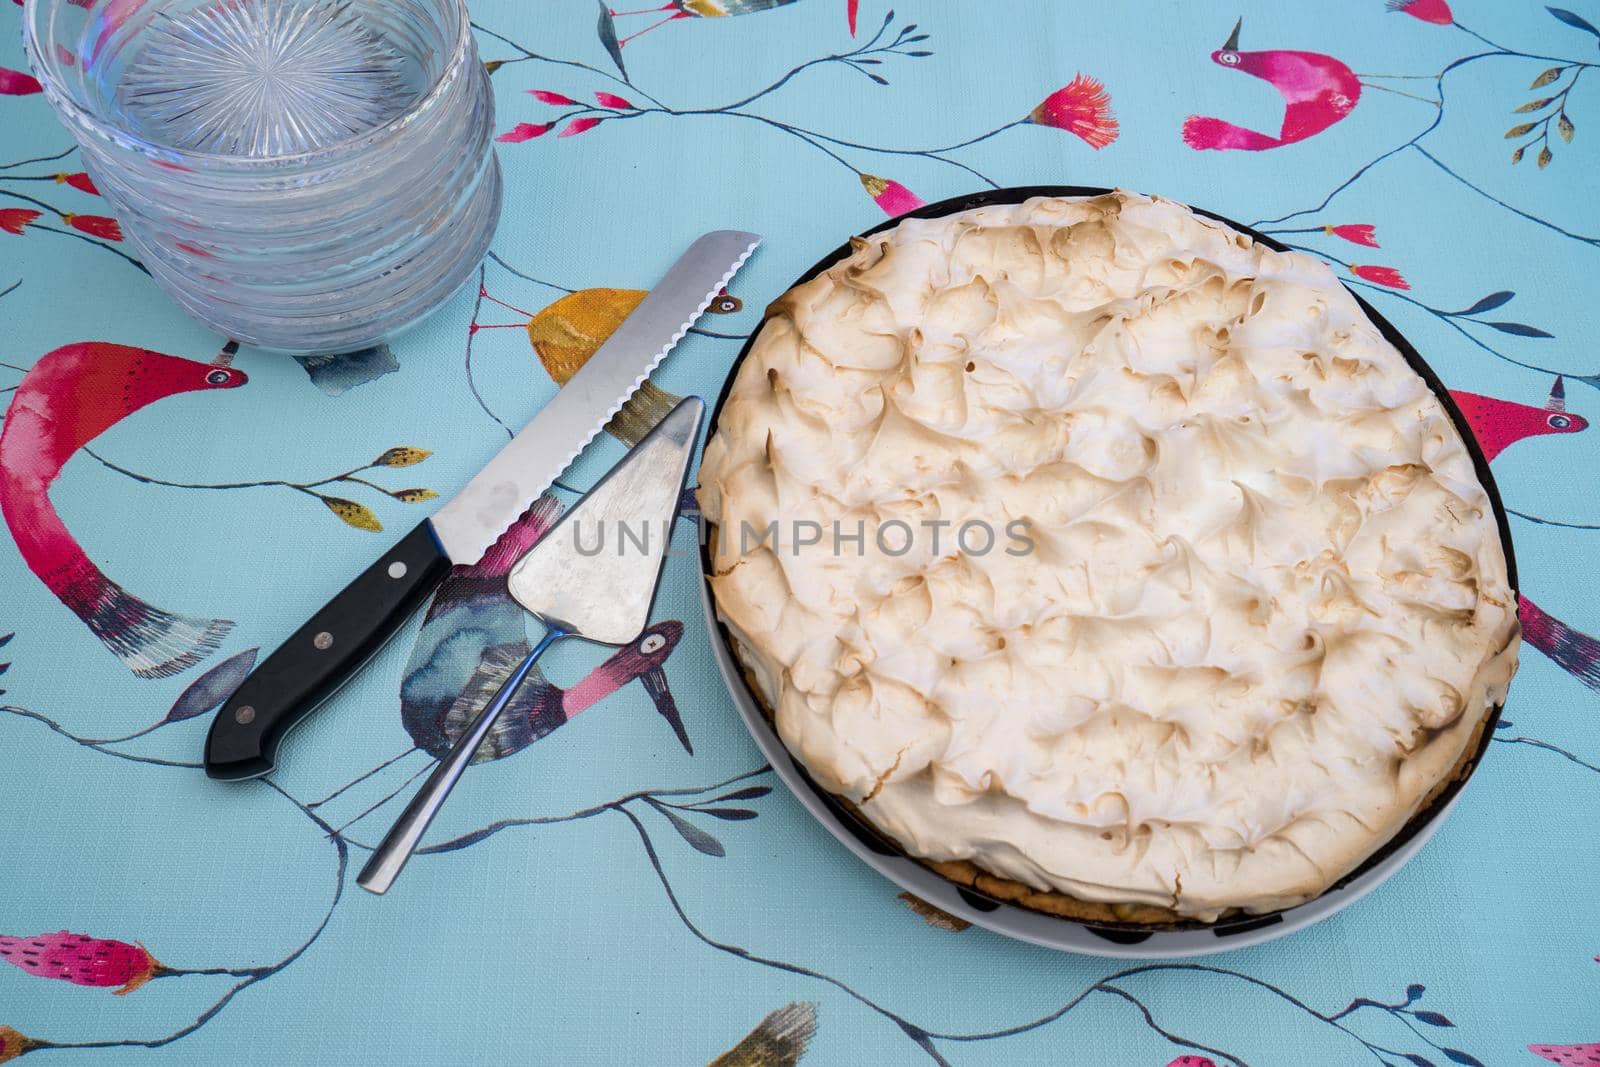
(322, 655)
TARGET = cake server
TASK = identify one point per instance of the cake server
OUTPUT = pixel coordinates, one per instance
(322, 654)
(593, 575)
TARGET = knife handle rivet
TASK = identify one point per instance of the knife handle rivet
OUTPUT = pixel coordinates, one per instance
(323, 641)
(245, 715)
(397, 569)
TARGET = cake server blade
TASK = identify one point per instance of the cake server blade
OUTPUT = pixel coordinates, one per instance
(326, 651)
(594, 576)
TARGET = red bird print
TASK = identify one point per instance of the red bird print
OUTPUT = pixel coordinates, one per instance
(1498, 424)
(1434, 11)
(1317, 91)
(474, 635)
(1574, 651)
(71, 396)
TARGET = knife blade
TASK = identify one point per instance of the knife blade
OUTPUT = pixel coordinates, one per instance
(332, 645)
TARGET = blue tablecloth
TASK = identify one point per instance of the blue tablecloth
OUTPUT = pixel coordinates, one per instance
(607, 896)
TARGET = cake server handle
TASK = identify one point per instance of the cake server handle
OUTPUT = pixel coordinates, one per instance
(390, 857)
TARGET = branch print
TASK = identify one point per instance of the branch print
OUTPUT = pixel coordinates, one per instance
(1082, 108)
(102, 231)
(351, 512)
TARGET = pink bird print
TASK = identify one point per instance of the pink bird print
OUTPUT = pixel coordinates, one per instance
(71, 396)
(540, 706)
(1317, 92)
(1573, 650)
(1498, 424)
(473, 635)
(1585, 1055)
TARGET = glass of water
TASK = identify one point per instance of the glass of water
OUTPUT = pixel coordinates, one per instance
(304, 175)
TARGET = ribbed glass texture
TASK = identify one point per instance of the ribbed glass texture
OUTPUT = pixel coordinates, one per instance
(305, 175)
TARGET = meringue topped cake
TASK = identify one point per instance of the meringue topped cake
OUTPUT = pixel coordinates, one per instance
(1228, 604)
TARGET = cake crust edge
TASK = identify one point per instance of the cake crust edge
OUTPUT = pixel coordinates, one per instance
(965, 874)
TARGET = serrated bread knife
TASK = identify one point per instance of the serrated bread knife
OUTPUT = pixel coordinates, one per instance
(324, 653)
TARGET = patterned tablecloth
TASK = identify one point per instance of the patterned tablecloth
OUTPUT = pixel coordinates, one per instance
(610, 896)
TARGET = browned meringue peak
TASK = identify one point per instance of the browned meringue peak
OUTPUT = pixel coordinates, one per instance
(1266, 607)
